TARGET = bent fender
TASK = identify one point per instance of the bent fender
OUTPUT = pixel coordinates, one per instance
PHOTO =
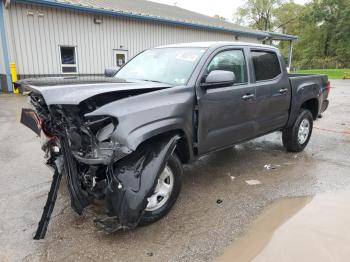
(133, 180)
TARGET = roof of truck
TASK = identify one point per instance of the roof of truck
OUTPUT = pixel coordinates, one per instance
(216, 44)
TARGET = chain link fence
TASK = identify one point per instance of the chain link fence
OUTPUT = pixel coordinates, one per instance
(319, 63)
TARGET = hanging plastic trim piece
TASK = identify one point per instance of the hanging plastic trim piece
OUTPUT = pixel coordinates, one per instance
(49, 206)
(132, 181)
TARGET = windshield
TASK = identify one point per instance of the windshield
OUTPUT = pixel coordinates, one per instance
(167, 65)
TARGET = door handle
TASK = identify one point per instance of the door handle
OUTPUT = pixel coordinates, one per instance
(248, 96)
(283, 90)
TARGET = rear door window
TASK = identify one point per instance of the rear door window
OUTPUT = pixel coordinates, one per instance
(266, 65)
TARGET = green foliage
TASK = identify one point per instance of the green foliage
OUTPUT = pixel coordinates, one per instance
(220, 17)
(258, 13)
(332, 73)
(323, 28)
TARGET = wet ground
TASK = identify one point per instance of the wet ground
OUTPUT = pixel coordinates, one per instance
(244, 179)
(297, 229)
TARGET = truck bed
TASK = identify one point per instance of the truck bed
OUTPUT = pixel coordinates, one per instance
(305, 86)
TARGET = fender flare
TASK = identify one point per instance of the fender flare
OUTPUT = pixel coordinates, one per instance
(133, 180)
(305, 92)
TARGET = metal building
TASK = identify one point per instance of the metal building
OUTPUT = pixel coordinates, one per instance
(83, 37)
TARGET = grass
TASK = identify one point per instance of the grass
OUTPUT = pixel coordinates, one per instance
(332, 73)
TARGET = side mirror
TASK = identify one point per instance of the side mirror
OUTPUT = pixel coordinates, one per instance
(219, 78)
(109, 72)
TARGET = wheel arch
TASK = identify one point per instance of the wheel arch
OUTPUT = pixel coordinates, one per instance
(183, 147)
(312, 105)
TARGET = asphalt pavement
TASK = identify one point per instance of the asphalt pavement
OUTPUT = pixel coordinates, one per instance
(222, 194)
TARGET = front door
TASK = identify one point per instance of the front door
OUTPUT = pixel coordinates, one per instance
(226, 114)
(120, 57)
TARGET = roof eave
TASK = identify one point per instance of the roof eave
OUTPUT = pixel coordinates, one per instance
(280, 36)
(80, 8)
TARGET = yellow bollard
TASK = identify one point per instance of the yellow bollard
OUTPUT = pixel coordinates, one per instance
(13, 71)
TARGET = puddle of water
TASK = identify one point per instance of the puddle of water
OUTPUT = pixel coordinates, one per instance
(298, 229)
(262, 229)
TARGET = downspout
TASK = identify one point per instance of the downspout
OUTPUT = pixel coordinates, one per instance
(4, 48)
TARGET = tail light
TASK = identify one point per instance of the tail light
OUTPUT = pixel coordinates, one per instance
(328, 86)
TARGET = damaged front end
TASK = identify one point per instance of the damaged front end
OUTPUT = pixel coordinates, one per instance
(97, 167)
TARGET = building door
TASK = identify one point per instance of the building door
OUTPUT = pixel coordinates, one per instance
(120, 57)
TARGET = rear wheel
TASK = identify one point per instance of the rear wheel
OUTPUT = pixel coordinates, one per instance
(165, 193)
(296, 137)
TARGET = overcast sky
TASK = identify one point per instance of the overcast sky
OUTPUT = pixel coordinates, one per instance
(223, 8)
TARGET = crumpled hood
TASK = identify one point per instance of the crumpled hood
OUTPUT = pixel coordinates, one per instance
(73, 90)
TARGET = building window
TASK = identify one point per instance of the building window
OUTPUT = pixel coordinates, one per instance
(68, 60)
(266, 65)
(120, 57)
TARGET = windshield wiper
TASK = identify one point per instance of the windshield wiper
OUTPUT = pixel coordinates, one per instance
(148, 80)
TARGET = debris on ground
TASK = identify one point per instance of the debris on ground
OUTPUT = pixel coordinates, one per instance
(219, 201)
(231, 177)
(270, 166)
(253, 182)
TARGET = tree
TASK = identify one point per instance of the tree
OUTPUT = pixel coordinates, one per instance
(332, 19)
(258, 14)
(287, 17)
(220, 17)
(321, 25)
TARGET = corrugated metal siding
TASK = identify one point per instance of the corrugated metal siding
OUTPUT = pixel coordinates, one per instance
(34, 40)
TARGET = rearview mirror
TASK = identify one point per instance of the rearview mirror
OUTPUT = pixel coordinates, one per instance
(109, 72)
(219, 78)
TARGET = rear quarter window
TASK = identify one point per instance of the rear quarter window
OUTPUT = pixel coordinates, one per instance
(266, 65)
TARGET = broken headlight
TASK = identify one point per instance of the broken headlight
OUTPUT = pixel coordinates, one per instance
(91, 143)
(101, 126)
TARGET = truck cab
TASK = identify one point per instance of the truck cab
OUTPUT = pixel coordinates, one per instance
(257, 102)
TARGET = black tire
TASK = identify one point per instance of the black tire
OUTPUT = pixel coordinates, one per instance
(150, 217)
(290, 135)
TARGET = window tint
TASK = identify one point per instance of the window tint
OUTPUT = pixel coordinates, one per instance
(68, 59)
(67, 55)
(233, 61)
(266, 65)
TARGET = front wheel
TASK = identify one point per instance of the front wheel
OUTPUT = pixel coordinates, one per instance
(296, 137)
(165, 193)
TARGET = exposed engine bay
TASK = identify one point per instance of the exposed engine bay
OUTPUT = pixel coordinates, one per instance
(97, 166)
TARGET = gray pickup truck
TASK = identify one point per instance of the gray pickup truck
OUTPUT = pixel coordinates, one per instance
(123, 139)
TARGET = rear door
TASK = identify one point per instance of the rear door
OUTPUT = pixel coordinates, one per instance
(273, 91)
(226, 114)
